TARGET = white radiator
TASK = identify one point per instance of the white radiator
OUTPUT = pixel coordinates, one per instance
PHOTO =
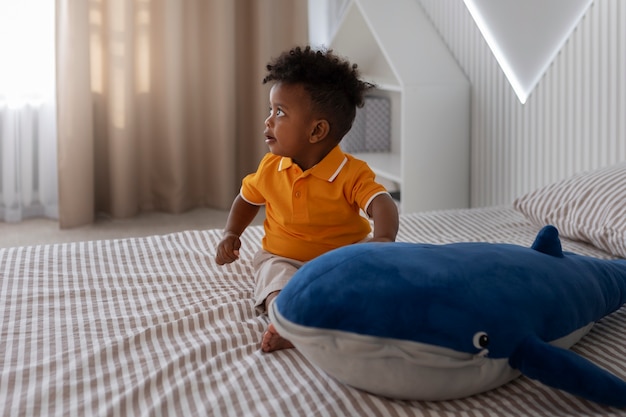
(28, 178)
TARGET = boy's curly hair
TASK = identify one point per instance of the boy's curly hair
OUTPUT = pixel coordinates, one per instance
(331, 81)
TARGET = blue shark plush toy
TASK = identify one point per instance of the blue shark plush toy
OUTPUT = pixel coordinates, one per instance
(433, 322)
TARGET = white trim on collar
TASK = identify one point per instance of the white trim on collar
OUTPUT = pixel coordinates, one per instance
(344, 162)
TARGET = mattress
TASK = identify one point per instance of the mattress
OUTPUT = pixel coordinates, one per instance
(152, 326)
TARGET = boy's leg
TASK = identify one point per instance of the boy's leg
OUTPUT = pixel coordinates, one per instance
(271, 274)
(271, 340)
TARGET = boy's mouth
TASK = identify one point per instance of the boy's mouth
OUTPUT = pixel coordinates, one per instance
(269, 139)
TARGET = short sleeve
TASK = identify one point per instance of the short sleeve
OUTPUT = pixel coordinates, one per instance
(252, 184)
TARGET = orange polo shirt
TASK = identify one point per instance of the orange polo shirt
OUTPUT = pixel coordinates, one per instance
(311, 212)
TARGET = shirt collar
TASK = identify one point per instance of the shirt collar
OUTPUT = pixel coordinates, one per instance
(327, 169)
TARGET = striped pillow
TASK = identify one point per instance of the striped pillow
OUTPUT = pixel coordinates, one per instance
(589, 207)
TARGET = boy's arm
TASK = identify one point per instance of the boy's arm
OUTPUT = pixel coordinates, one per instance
(241, 215)
(384, 212)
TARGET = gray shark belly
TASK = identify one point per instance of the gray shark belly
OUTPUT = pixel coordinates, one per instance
(399, 368)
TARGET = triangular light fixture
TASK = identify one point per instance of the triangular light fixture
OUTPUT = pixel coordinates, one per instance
(526, 35)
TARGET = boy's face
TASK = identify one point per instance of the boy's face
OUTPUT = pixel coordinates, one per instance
(289, 126)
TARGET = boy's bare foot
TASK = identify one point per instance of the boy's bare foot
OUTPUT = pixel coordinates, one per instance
(273, 341)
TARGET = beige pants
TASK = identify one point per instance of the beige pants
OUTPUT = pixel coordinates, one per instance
(272, 273)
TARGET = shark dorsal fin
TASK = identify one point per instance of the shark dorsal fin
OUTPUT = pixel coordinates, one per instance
(548, 242)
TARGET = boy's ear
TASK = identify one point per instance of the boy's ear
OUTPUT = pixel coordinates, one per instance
(320, 131)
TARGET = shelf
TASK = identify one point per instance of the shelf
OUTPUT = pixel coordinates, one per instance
(384, 164)
(383, 84)
(397, 48)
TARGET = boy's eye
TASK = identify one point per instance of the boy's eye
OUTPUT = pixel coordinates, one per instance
(279, 112)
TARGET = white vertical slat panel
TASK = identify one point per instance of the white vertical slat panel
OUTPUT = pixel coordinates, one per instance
(621, 69)
(604, 77)
(573, 120)
(566, 107)
(548, 130)
(593, 127)
(614, 78)
(581, 99)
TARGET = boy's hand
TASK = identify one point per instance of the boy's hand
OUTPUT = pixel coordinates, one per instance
(228, 249)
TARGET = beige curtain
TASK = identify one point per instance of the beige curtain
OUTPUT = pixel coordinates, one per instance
(160, 102)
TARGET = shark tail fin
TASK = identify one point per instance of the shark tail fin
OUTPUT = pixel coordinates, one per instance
(568, 371)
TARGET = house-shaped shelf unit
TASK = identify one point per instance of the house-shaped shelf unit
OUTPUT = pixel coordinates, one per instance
(397, 48)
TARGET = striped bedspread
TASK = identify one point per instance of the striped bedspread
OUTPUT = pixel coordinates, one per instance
(152, 326)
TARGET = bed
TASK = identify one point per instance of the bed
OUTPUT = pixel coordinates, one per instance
(152, 326)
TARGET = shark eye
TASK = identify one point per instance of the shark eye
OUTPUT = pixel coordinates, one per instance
(481, 340)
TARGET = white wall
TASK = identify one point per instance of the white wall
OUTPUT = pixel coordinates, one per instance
(574, 120)
(324, 18)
